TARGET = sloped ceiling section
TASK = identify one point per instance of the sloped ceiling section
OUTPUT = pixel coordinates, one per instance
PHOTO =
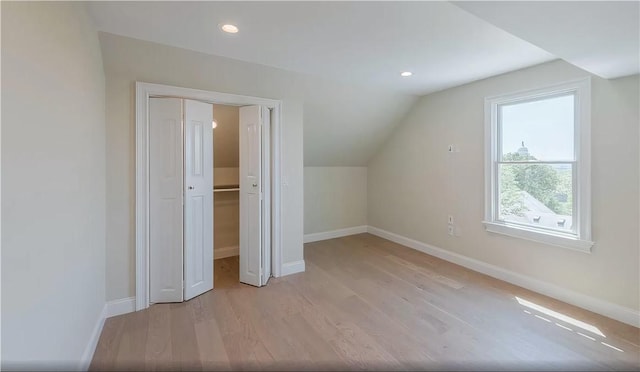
(602, 37)
(353, 42)
(345, 57)
(344, 124)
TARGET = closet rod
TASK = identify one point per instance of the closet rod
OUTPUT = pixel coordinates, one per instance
(223, 190)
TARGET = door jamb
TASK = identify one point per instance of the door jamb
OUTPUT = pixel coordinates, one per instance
(143, 92)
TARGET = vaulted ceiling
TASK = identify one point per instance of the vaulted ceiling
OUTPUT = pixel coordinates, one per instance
(367, 44)
(602, 37)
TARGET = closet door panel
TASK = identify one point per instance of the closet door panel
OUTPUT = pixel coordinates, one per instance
(198, 199)
(165, 200)
(266, 194)
(250, 195)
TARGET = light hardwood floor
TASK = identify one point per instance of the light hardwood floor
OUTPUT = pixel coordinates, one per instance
(366, 303)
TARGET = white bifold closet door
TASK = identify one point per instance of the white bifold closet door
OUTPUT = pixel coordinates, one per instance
(198, 198)
(255, 248)
(180, 199)
(165, 200)
(266, 193)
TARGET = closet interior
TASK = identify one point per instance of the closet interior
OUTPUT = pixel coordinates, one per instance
(226, 194)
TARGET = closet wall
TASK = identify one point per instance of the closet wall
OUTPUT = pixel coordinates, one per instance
(226, 163)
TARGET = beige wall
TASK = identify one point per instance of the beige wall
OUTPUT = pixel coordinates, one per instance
(434, 185)
(53, 184)
(128, 60)
(226, 219)
(334, 198)
(226, 159)
(226, 176)
(226, 136)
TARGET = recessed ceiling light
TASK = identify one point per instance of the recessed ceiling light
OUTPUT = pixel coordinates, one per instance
(229, 28)
(214, 124)
(406, 73)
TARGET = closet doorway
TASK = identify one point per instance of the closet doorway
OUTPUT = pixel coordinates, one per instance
(241, 135)
(206, 168)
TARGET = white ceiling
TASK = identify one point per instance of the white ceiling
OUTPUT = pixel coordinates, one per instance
(347, 56)
(359, 42)
(602, 37)
(344, 124)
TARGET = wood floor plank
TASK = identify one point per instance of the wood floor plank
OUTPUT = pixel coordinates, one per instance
(106, 353)
(345, 327)
(158, 352)
(387, 330)
(184, 348)
(133, 342)
(366, 303)
(242, 344)
(211, 350)
(269, 330)
(321, 353)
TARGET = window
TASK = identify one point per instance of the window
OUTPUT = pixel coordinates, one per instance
(538, 165)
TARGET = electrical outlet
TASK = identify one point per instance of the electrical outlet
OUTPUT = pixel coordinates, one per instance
(457, 231)
(450, 220)
(450, 230)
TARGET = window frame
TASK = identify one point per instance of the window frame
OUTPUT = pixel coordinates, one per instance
(580, 238)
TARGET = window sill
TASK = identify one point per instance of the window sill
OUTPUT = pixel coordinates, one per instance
(539, 236)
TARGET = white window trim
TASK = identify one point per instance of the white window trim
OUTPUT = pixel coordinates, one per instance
(581, 241)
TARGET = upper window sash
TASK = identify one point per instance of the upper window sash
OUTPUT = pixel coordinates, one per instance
(573, 92)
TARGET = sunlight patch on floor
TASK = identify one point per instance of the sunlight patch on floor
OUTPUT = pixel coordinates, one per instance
(543, 318)
(586, 336)
(561, 326)
(562, 317)
(613, 347)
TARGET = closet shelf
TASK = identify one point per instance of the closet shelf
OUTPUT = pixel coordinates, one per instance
(225, 188)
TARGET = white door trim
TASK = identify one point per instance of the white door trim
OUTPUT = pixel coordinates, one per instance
(143, 92)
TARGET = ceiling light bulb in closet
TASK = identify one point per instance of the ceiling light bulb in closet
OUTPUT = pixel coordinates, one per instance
(230, 29)
(214, 124)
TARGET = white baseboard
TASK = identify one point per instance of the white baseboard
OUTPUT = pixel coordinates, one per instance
(608, 309)
(111, 308)
(87, 355)
(225, 252)
(308, 238)
(121, 306)
(292, 268)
